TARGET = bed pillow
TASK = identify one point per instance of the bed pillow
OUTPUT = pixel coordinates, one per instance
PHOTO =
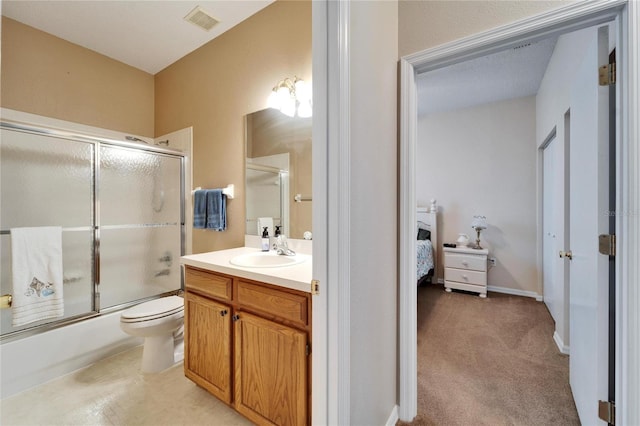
(424, 234)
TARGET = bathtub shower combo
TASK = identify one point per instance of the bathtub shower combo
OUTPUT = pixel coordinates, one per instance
(120, 206)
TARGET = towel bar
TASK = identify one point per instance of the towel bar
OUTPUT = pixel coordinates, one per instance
(229, 191)
(5, 301)
(299, 198)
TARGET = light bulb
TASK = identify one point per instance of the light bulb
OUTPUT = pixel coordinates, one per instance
(305, 110)
(272, 102)
(288, 107)
(283, 95)
(302, 91)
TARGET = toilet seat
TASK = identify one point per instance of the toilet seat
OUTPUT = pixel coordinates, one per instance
(153, 309)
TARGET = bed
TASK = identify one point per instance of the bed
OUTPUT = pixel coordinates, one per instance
(426, 243)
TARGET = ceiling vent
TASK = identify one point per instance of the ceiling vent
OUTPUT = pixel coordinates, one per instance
(201, 18)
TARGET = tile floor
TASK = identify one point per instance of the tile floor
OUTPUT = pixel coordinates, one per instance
(115, 392)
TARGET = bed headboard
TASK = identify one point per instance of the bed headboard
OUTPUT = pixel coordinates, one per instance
(429, 217)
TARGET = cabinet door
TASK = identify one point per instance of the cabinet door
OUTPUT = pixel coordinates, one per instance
(207, 356)
(270, 371)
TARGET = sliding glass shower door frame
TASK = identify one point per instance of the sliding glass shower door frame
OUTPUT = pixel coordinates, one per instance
(96, 226)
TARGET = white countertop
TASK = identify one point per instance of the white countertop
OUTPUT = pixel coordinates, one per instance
(297, 277)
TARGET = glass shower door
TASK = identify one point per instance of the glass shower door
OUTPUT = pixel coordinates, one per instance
(48, 181)
(140, 224)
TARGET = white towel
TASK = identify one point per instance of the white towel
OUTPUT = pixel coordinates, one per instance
(265, 221)
(36, 262)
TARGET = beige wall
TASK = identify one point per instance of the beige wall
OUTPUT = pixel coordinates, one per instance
(428, 23)
(214, 87)
(45, 75)
(482, 160)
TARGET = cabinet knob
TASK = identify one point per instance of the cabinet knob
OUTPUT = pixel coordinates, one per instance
(466, 278)
(235, 317)
(223, 313)
(465, 263)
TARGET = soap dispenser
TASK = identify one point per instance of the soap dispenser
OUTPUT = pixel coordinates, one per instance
(265, 239)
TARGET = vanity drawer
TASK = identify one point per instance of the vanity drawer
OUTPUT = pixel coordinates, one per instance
(289, 306)
(208, 283)
(465, 276)
(465, 261)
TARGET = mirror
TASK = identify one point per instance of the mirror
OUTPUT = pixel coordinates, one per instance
(278, 171)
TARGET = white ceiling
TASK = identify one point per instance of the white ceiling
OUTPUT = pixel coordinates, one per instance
(508, 74)
(148, 34)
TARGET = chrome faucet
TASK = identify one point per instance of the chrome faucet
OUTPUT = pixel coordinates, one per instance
(280, 246)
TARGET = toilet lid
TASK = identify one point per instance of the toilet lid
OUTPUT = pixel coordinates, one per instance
(162, 306)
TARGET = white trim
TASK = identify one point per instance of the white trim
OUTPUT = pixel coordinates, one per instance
(67, 126)
(567, 18)
(515, 292)
(564, 349)
(324, 394)
(393, 417)
(628, 222)
(338, 203)
(408, 321)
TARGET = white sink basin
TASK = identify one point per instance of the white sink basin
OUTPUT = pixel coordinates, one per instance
(266, 260)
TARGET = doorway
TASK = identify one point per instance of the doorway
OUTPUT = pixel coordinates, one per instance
(562, 21)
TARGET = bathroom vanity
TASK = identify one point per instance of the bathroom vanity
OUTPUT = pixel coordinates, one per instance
(248, 334)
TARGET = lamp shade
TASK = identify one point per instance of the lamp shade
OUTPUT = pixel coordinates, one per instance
(479, 222)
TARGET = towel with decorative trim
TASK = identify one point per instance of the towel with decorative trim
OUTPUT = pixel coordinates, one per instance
(36, 263)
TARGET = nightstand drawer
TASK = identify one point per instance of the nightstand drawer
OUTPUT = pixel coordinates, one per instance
(465, 276)
(465, 261)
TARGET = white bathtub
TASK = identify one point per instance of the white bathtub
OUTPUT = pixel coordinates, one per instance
(33, 360)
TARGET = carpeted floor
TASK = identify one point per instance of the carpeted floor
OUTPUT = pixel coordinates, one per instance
(489, 361)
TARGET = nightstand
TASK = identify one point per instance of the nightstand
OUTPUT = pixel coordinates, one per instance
(465, 269)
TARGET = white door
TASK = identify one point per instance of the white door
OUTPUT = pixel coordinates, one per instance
(549, 246)
(588, 204)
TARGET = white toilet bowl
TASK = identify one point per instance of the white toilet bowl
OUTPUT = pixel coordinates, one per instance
(160, 322)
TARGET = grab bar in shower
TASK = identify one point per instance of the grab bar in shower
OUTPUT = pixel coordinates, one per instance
(5, 301)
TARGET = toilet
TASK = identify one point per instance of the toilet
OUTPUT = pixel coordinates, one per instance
(161, 323)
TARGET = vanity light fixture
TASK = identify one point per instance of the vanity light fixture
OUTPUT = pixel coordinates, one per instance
(291, 97)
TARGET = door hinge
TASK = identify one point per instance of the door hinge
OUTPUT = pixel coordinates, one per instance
(607, 411)
(308, 350)
(607, 244)
(607, 74)
(315, 287)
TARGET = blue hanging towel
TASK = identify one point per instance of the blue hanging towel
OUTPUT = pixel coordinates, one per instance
(216, 210)
(200, 209)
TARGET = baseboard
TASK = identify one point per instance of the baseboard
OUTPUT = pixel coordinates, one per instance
(561, 346)
(516, 292)
(393, 417)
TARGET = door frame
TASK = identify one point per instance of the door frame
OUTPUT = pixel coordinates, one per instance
(330, 402)
(564, 19)
(561, 332)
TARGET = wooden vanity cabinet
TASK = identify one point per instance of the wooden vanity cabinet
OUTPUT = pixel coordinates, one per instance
(270, 371)
(263, 346)
(207, 350)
